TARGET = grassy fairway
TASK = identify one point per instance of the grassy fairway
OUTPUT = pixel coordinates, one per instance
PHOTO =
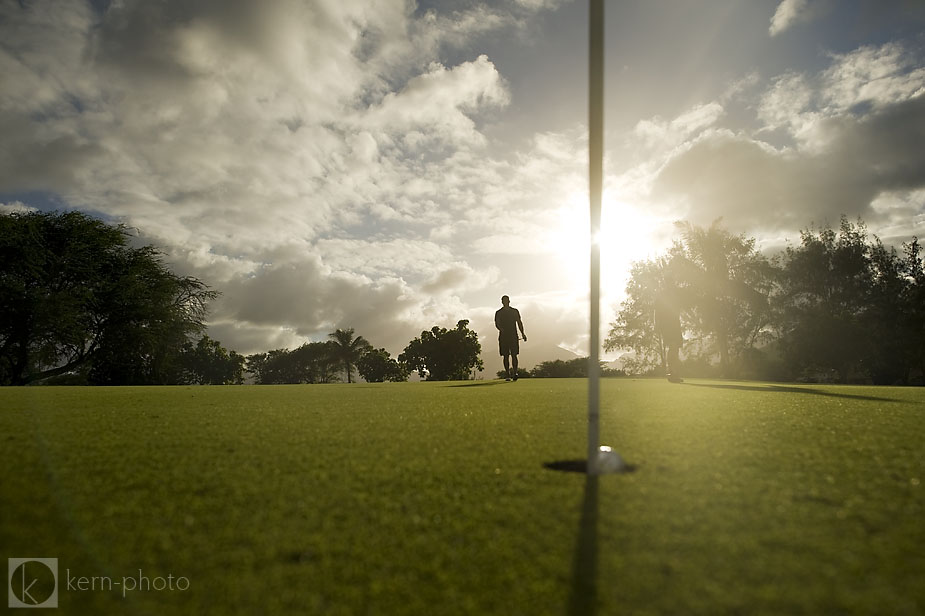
(432, 498)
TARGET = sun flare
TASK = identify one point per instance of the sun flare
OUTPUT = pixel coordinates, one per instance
(627, 234)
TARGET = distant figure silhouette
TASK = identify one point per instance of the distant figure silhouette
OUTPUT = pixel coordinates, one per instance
(667, 315)
(507, 320)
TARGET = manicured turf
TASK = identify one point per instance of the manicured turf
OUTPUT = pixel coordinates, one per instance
(433, 498)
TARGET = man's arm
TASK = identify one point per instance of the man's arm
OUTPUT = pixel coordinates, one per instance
(520, 324)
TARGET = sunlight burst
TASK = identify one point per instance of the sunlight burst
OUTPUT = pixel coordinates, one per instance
(626, 235)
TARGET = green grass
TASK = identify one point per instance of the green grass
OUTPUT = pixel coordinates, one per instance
(432, 498)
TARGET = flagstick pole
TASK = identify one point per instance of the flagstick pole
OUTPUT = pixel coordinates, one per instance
(596, 173)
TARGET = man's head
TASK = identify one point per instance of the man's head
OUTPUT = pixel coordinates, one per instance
(505, 301)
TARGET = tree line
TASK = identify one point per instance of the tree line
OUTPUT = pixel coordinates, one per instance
(80, 305)
(839, 306)
(439, 354)
(325, 362)
(576, 368)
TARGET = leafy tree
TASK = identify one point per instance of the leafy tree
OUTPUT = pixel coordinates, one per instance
(272, 368)
(444, 355)
(839, 306)
(825, 293)
(376, 366)
(255, 364)
(317, 362)
(281, 368)
(313, 362)
(725, 284)
(569, 369)
(912, 272)
(895, 314)
(885, 319)
(74, 294)
(849, 304)
(562, 369)
(729, 283)
(634, 326)
(209, 363)
(521, 374)
(348, 349)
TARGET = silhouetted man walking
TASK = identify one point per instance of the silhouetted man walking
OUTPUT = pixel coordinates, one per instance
(507, 320)
(668, 324)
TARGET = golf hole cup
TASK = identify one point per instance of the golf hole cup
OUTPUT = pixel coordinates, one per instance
(608, 461)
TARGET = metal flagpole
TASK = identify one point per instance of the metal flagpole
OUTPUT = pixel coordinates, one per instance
(601, 460)
(596, 173)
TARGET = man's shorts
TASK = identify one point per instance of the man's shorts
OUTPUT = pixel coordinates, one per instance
(508, 344)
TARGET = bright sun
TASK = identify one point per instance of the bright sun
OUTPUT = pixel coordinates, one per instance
(626, 235)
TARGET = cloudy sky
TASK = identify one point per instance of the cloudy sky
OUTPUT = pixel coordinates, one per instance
(390, 165)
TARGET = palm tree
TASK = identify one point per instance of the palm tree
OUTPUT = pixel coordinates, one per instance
(348, 349)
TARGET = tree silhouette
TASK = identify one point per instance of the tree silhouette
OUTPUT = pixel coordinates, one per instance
(724, 283)
(74, 295)
(837, 306)
(634, 327)
(313, 362)
(209, 363)
(729, 282)
(912, 271)
(376, 366)
(849, 304)
(348, 349)
(444, 354)
(317, 362)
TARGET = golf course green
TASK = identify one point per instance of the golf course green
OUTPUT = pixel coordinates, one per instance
(437, 498)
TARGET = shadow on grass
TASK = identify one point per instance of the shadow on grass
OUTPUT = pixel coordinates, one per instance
(567, 466)
(792, 390)
(583, 599)
(477, 384)
(581, 466)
